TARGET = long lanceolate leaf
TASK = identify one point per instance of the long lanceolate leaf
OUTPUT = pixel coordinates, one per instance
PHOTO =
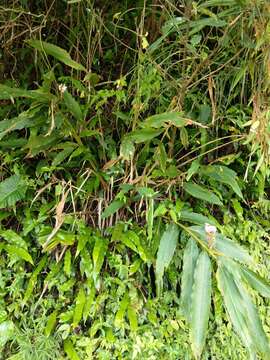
(233, 303)
(256, 282)
(201, 300)
(241, 309)
(189, 262)
(57, 52)
(166, 250)
(223, 245)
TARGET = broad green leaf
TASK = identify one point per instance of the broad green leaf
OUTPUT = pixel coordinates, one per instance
(234, 306)
(61, 237)
(224, 246)
(202, 193)
(50, 323)
(143, 135)
(7, 330)
(127, 149)
(12, 190)
(67, 263)
(11, 143)
(132, 317)
(194, 167)
(90, 296)
(132, 240)
(39, 143)
(160, 120)
(223, 175)
(26, 119)
(165, 253)
(258, 335)
(73, 106)
(150, 217)
(57, 52)
(70, 350)
(13, 238)
(98, 255)
(191, 254)
(119, 317)
(147, 192)
(195, 218)
(33, 279)
(112, 208)
(200, 304)
(62, 155)
(19, 252)
(256, 282)
(198, 25)
(8, 93)
(78, 311)
(254, 326)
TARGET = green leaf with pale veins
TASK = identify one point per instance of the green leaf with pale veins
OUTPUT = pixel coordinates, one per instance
(234, 306)
(191, 254)
(256, 282)
(224, 246)
(12, 190)
(57, 52)
(112, 208)
(161, 120)
(223, 175)
(165, 253)
(200, 304)
(19, 252)
(201, 193)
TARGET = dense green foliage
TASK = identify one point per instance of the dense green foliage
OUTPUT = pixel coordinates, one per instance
(134, 146)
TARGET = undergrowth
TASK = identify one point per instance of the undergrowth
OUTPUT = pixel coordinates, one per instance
(134, 145)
